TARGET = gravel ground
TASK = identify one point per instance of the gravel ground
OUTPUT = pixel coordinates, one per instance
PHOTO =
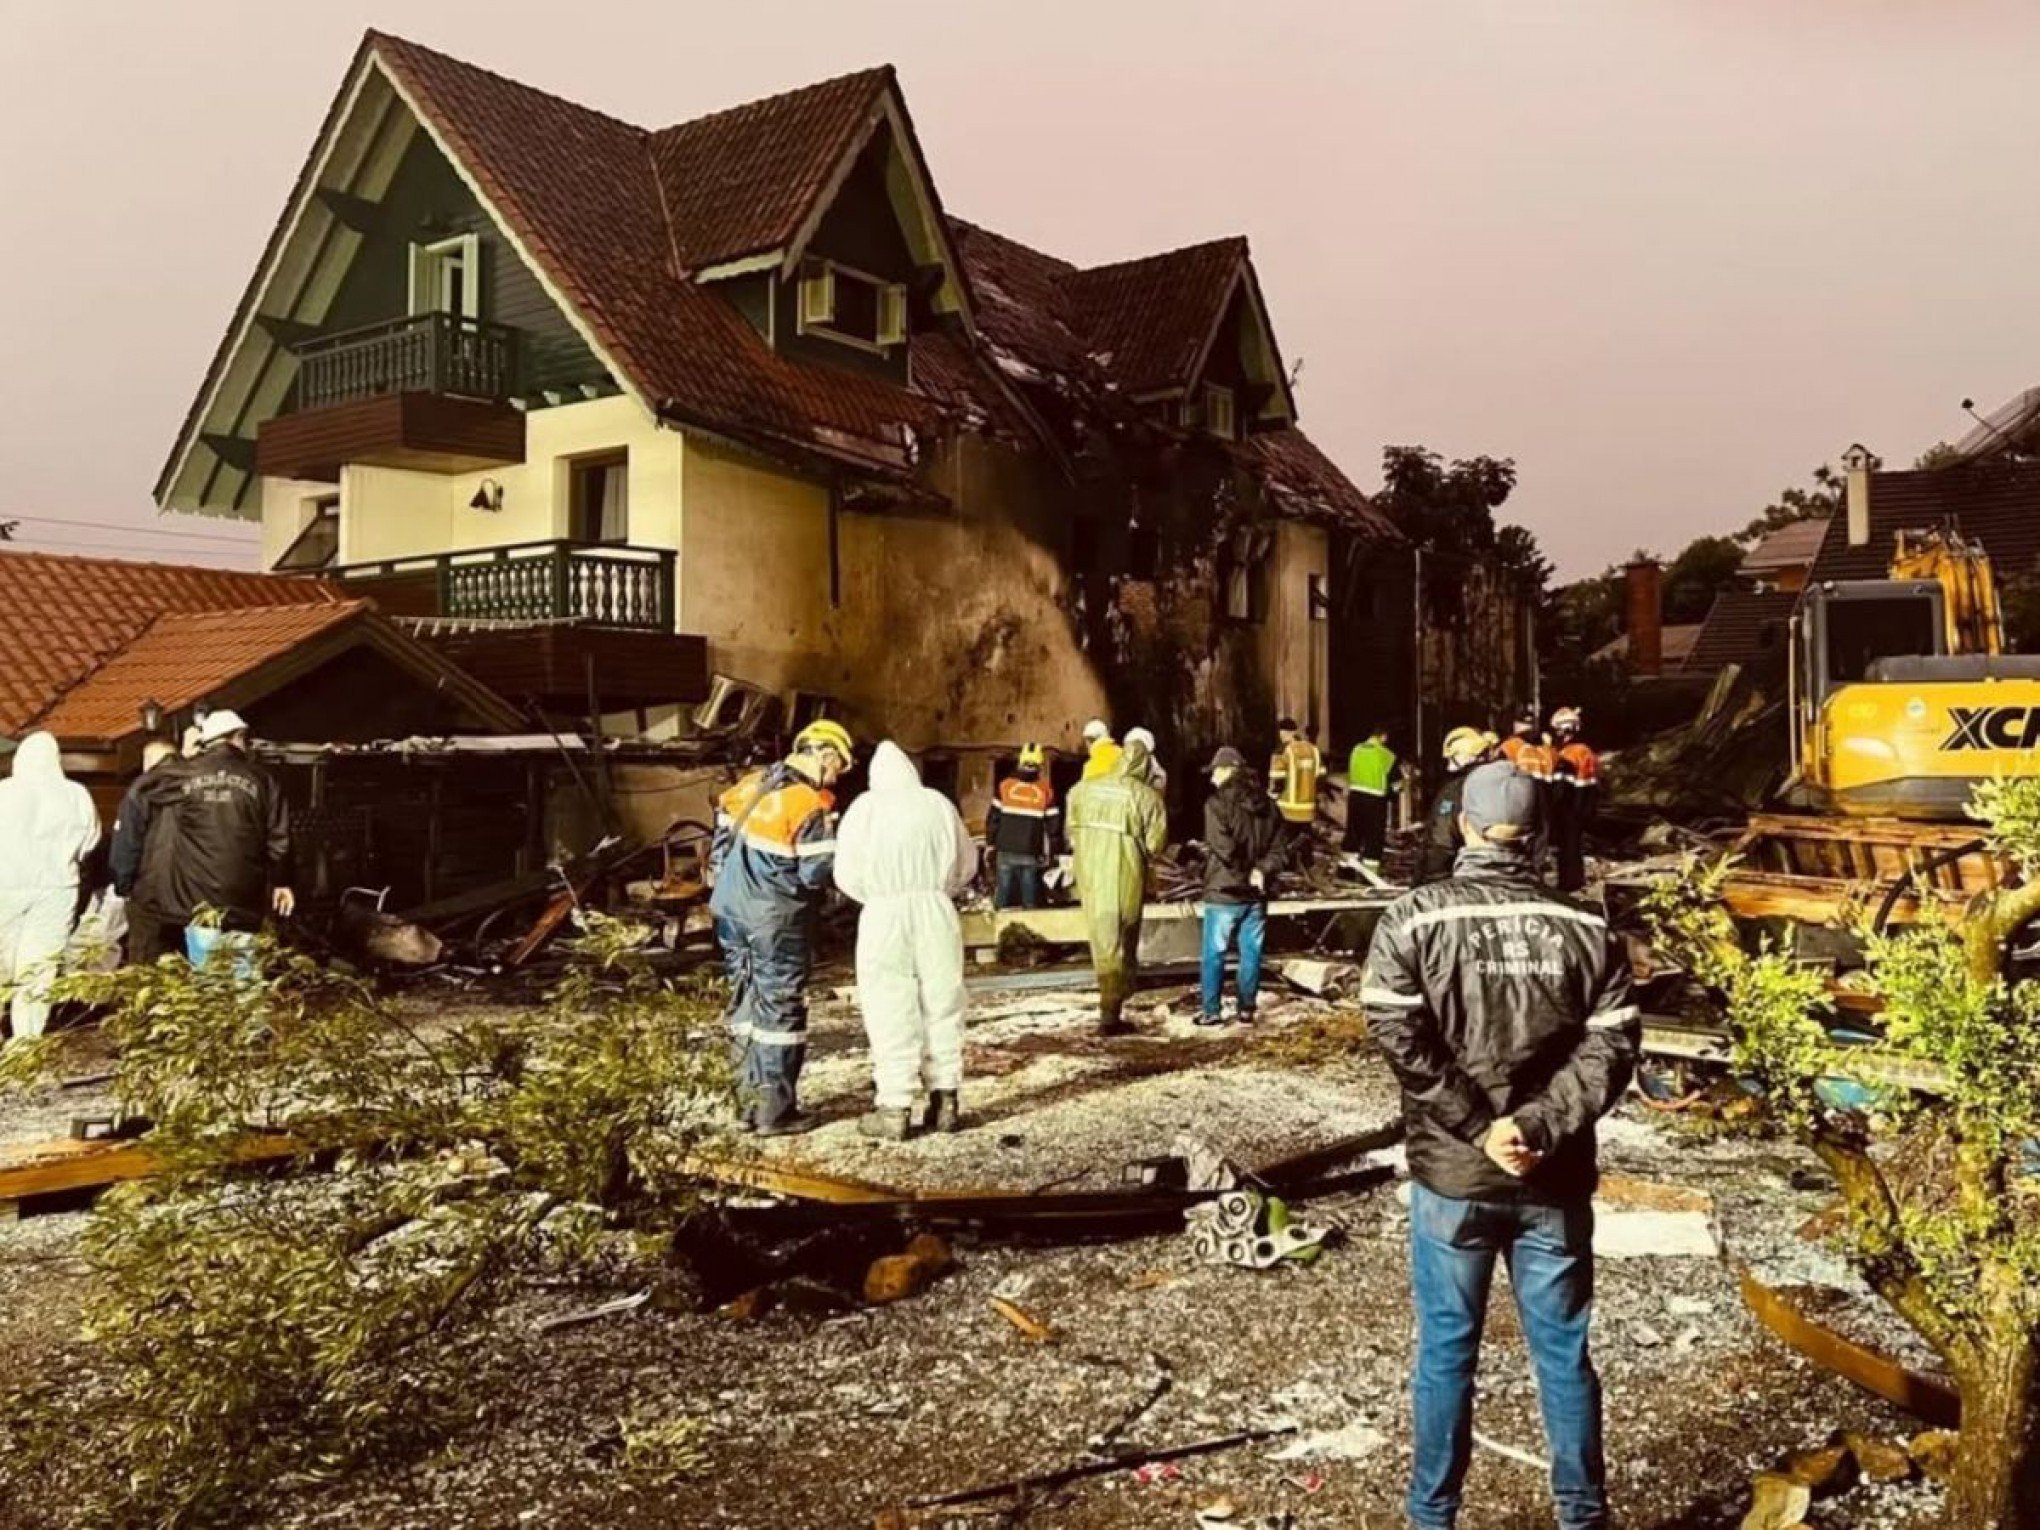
(817, 1421)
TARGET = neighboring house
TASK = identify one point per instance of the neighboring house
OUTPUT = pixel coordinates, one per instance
(1744, 627)
(93, 649)
(1780, 560)
(1676, 648)
(615, 408)
(1994, 501)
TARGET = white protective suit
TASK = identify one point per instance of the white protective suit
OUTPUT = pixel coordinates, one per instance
(47, 826)
(902, 851)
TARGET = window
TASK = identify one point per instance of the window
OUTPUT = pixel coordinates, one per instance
(1218, 410)
(1246, 575)
(1320, 602)
(851, 306)
(598, 498)
(319, 543)
(446, 276)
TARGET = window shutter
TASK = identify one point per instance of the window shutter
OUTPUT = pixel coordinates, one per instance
(892, 314)
(421, 296)
(818, 296)
(471, 276)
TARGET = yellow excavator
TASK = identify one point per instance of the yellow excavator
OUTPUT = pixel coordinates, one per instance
(1901, 700)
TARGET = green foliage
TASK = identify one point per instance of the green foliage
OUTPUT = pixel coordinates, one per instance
(244, 1331)
(1824, 498)
(1945, 1213)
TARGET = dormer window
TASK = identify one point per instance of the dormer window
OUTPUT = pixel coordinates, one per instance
(1218, 411)
(855, 307)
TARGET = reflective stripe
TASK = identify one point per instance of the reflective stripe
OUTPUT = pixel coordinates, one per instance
(1024, 812)
(769, 846)
(1372, 791)
(779, 1038)
(1101, 828)
(1390, 998)
(1613, 1019)
(1503, 911)
(817, 847)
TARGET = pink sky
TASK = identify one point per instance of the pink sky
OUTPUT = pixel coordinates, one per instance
(1669, 256)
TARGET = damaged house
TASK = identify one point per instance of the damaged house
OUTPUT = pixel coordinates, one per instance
(603, 411)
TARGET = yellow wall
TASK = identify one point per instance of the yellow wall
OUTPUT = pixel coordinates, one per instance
(397, 513)
(286, 511)
(1295, 651)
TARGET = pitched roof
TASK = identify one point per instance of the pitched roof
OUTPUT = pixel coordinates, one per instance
(740, 182)
(1305, 483)
(1148, 320)
(1995, 502)
(1743, 627)
(1790, 546)
(577, 189)
(1675, 646)
(237, 656)
(60, 616)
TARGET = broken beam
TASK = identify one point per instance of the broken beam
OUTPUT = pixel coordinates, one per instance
(52, 1168)
(1930, 1399)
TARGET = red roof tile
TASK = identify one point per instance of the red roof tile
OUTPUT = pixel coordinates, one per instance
(1147, 320)
(740, 182)
(60, 616)
(184, 657)
(1305, 483)
(578, 190)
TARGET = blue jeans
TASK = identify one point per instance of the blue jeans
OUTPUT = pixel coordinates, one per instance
(1549, 1252)
(1223, 921)
(1018, 884)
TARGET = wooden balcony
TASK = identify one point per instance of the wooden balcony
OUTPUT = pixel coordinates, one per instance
(606, 584)
(427, 393)
(549, 622)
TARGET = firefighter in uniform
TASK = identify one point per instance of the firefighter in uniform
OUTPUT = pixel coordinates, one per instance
(1575, 786)
(1020, 826)
(1464, 749)
(772, 860)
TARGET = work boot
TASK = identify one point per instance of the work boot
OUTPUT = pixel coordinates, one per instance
(945, 1111)
(792, 1124)
(1112, 1023)
(886, 1125)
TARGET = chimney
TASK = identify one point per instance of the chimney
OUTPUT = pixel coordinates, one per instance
(1859, 462)
(1646, 619)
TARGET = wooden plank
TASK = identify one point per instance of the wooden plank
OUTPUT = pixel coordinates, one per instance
(48, 1168)
(1926, 1396)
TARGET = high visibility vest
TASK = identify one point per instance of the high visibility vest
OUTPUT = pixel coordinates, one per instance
(1294, 773)
(1538, 760)
(1371, 766)
(1578, 764)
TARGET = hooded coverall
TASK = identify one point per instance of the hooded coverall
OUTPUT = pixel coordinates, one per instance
(904, 854)
(47, 826)
(774, 847)
(1116, 826)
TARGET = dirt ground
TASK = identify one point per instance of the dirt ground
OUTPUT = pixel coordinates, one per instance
(820, 1420)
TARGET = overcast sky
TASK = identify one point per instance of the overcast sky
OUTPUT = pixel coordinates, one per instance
(1667, 254)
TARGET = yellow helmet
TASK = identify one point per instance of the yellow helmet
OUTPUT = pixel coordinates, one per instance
(1463, 744)
(1032, 756)
(827, 733)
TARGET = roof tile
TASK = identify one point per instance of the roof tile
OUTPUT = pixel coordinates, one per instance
(61, 615)
(1995, 502)
(185, 656)
(1743, 627)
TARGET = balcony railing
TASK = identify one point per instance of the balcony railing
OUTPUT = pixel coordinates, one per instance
(601, 584)
(427, 353)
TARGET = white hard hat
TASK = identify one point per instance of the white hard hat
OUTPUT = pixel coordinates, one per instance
(1566, 717)
(221, 724)
(1095, 729)
(1142, 737)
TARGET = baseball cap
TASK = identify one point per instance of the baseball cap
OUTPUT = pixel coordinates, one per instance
(220, 724)
(1499, 797)
(1227, 758)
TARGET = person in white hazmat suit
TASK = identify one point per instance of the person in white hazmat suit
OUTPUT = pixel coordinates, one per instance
(48, 825)
(902, 851)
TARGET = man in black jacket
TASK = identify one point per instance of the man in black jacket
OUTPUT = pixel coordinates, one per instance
(146, 938)
(1504, 1010)
(1464, 748)
(218, 838)
(1242, 853)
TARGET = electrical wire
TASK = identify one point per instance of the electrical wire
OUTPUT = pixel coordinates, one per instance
(141, 530)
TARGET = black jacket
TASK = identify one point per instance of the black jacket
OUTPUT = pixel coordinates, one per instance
(1493, 996)
(1242, 834)
(1440, 846)
(131, 833)
(218, 837)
